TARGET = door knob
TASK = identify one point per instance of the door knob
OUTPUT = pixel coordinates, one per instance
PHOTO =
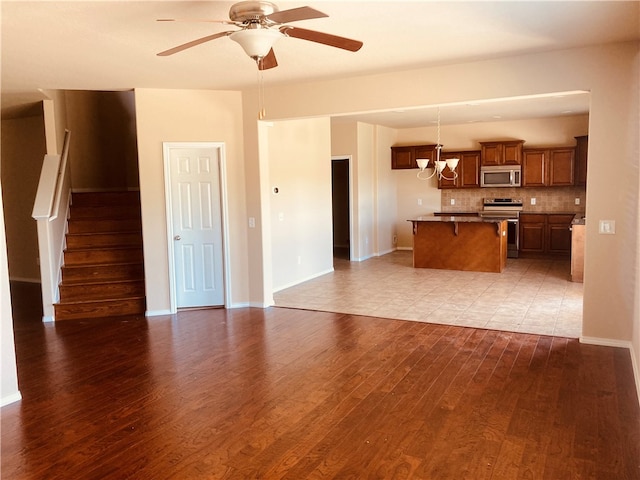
(177, 237)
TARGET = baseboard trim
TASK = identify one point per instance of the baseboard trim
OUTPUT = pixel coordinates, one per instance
(15, 397)
(306, 279)
(636, 372)
(606, 342)
(156, 313)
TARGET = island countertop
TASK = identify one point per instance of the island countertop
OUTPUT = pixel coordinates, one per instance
(455, 218)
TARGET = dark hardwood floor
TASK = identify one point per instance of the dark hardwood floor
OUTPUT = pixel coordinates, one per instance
(284, 393)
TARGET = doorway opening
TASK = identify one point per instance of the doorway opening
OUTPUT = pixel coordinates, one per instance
(341, 207)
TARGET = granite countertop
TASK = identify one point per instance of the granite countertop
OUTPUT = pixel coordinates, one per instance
(579, 219)
(453, 218)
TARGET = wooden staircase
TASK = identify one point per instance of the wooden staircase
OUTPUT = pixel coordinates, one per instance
(103, 274)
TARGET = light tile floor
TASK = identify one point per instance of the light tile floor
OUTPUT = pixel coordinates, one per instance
(532, 296)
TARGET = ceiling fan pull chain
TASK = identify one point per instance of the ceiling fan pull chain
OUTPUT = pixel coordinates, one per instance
(261, 111)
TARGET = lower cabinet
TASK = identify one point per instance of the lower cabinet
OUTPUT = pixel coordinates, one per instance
(545, 234)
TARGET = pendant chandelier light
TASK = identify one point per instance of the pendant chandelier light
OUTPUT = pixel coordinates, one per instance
(438, 165)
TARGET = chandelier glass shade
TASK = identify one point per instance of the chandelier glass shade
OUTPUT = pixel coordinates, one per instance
(438, 164)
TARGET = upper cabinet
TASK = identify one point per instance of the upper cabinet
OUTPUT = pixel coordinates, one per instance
(468, 170)
(405, 157)
(501, 153)
(581, 160)
(548, 167)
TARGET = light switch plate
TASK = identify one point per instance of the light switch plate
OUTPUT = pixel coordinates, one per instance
(607, 227)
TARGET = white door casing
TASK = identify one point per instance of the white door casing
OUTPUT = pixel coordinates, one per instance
(194, 190)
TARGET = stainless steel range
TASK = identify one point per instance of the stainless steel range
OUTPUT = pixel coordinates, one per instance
(509, 209)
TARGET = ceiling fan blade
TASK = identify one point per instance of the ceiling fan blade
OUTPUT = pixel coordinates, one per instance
(295, 14)
(324, 38)
(197, 20)
(193, 43)
(269, 61)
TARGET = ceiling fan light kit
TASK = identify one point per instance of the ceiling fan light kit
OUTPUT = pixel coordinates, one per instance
(256, 42)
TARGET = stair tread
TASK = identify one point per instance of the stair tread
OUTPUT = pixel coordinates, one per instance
(101, 300)
(67, 283)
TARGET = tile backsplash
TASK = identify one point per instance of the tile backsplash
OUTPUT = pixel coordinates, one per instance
(548, 200)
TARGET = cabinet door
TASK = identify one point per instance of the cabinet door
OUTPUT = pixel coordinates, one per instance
(559, 235)
(470, 170)
(402, 157)
(581, 160)
(491, 154)
(424, 151)
(561, 163)
(512, 153)
(445, 182)
(534, 168)
(532, 233)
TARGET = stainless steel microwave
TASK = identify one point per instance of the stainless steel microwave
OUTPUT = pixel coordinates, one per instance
(501, 176)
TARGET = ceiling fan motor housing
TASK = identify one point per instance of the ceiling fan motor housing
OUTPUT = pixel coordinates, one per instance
(251, 12)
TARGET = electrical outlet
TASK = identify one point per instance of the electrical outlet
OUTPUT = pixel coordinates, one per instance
(453, 201)
(577, 201)
(533, 201)
(419, 201)
(395, 239)
(252, 222)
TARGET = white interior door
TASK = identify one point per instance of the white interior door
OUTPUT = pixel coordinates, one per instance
(197, 226)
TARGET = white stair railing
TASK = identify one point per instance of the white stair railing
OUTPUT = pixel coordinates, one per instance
(50, 210)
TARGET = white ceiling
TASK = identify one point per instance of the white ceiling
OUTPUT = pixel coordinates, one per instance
(112, 45)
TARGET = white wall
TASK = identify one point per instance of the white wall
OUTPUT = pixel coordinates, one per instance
(188, 116)
(299, 160)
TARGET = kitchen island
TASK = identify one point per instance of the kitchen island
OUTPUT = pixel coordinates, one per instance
(460, 243)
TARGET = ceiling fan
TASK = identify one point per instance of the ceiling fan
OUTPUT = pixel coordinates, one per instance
(261, 25)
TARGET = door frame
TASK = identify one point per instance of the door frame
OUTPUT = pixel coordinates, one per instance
(349, 159)
(222, 167)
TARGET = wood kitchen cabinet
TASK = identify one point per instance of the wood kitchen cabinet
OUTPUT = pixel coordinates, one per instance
(468, 170)
(581, 160)
(405, 157)
(501, 153)
(548, 167)
(545, 234)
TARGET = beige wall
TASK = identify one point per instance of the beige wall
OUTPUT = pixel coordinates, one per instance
(609, 72)
(299, 161)
(23, 149)
(8, 373)
(374, 196)
(189, 116)
(103, 152)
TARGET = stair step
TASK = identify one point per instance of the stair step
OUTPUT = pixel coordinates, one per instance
(93, 240)
(105, 198)
(102, 256)
(86, 225)
(104, 211)
(101, 273)
(101, 308)
(74, 292)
